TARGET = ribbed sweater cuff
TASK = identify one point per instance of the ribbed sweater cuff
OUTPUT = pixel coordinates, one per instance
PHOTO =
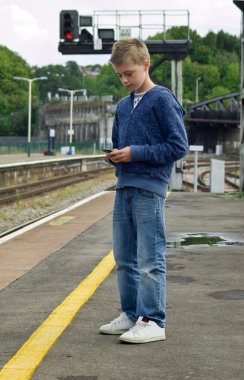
(137, 153)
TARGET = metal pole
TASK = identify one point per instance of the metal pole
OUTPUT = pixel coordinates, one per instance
(71, 118)
(240, 5)
(71, 131)
(197, 91)
(195, 170)
(29, 109)
(242, 108)
(177, 86)
(29, 121)
(176, 79)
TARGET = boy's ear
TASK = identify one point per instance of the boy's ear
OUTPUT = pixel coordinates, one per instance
(147, 64)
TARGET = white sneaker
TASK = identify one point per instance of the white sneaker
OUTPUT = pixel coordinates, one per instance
(118, 326)
(144, 332)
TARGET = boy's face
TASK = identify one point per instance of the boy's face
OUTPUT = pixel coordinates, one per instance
(132, 75)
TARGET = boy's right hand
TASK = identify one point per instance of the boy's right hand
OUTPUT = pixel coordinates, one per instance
(120, 155)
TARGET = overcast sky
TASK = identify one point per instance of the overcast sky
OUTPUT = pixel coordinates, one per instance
(31, 28)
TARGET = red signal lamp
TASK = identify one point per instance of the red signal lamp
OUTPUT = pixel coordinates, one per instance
(69, 25)
(69, 36)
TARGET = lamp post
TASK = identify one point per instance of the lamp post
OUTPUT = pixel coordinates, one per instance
(29, 109)
(71, 131)
(197, 80)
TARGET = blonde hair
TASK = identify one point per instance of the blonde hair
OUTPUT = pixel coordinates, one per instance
(129, 50)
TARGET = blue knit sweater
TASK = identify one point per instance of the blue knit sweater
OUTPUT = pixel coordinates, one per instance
(156, 134)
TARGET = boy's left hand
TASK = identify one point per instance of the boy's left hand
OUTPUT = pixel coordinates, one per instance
(120, 155)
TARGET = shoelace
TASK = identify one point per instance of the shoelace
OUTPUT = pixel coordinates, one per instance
(122, 317)
(138, 326)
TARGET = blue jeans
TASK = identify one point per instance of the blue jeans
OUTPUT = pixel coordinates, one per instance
(139, 249)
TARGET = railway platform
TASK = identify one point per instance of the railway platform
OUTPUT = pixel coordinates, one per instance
(14, 158)
(17, 158)
(58, 285)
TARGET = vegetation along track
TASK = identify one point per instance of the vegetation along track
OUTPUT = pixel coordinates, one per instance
(13, 193)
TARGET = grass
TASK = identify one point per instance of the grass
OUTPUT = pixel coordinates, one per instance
(234, 196)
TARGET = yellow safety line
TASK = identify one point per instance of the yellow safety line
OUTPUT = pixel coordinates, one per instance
(23, 364)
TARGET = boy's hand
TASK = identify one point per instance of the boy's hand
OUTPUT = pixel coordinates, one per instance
(120, 155)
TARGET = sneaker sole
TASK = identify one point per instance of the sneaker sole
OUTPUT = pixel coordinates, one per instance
(116, 332)
(142, 341)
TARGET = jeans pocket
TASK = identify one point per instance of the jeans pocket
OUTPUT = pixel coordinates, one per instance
(147, 194)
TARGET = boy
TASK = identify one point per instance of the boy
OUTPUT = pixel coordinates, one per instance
(148, 136)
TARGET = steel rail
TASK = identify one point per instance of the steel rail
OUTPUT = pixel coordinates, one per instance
(15, 193)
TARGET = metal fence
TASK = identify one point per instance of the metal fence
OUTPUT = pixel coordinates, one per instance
(19, 146)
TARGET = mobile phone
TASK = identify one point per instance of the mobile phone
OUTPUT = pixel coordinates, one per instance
(107, 150)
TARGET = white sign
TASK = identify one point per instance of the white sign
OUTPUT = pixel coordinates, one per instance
(70, 132)
(52, 132)
(196, 148)
(124, 33)
(97, 44)
(217, 176)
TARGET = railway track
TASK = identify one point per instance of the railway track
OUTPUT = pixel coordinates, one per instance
(231, 179)
(15, 193)
(18, 192)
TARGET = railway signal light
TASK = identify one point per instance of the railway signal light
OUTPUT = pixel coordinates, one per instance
(85, 21)
(106, 34)
(85, 36)
(69, 25)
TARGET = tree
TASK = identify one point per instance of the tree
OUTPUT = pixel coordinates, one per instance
(13, 94)
(215, 58)
(210, 40)
(68, 76)
(231, 76)
(108, 83)
(228, 42)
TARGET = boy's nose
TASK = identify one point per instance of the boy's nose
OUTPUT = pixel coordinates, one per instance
(124, 80)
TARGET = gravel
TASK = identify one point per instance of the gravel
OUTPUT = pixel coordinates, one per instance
(24, 211)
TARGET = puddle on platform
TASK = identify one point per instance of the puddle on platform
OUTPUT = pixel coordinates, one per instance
(202, 239)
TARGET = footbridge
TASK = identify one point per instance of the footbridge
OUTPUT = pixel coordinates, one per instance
(215, 122)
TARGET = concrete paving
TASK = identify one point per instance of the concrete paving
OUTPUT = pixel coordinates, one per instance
(205, 311)
(21, 254)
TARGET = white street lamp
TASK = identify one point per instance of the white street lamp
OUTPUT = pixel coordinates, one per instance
(71, 131)
(29, 109)
(197, 80)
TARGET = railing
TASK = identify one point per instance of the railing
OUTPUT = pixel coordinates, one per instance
(141, 23)
(223, 108)
(16, 147)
